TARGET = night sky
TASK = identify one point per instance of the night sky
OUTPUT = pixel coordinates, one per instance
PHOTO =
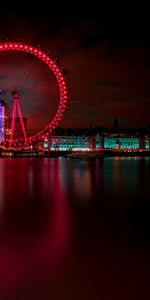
(105, 50)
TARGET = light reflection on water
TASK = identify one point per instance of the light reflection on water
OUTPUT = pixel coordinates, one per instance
(82, 185)
(35, 232)
(64, 223)
(2, 179)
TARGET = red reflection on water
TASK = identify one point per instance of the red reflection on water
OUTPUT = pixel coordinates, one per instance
(82, 182)
(1, 188)
(32, 258)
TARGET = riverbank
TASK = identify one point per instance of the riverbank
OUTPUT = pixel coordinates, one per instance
(137, 152)
(77, 154)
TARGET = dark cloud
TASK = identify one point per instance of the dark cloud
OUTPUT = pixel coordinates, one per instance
(108, 85)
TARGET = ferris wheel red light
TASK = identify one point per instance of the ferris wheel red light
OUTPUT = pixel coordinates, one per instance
(58, 72)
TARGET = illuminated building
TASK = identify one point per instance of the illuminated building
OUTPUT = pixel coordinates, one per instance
(4, 121)
(98, 142)
(65, 139)
(126, 138)
(147, 142)
(74, 143)
(84, 140)
(121, 142)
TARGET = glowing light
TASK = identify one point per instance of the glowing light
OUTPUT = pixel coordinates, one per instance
(57, 72)
(17, 106)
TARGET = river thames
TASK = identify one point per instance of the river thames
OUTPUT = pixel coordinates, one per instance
(74, 229)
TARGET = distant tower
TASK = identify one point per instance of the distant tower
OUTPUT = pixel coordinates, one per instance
(17, 107)
(116, 123)
(4, 121)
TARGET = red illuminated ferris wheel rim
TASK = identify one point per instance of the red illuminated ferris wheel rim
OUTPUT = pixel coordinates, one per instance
(63, 89)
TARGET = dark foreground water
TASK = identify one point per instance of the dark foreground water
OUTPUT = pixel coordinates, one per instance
(74, 229)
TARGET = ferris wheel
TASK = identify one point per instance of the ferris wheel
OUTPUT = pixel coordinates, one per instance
(57, 91)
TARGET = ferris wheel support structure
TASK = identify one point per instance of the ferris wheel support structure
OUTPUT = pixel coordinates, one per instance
(17, 107)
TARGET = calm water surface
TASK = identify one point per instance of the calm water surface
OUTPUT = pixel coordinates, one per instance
(74, 229)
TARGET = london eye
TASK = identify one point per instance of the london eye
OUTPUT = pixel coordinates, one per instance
(35, 86)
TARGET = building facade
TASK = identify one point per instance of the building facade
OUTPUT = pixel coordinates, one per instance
(97, 141)
(121, 142)
(4, 121)
(72, 143)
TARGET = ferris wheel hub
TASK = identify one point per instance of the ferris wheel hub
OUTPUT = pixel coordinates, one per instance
(14, 94)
